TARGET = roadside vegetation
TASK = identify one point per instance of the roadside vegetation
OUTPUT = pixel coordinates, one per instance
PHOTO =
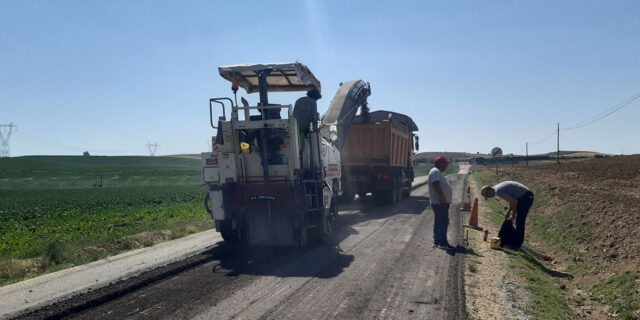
(560, 228)
(58, 212)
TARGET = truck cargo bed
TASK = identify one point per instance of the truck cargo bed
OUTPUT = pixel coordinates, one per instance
(386, 143)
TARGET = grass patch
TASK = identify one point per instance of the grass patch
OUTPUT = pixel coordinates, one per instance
(547, 292)
(621, 293)
(472, 265)
(560, 231)
(11, 270)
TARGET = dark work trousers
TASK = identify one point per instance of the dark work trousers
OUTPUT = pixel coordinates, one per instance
(440, 223)
(524, 203)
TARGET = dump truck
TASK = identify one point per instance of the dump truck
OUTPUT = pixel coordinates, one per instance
(274, 171)
(377, 158)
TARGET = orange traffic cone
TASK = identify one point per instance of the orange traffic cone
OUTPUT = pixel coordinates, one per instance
(473, 219)
(467, 203)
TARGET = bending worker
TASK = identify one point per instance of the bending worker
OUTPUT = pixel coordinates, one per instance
(520, 199)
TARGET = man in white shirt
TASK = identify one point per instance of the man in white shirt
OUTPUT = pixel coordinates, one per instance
(440, 194)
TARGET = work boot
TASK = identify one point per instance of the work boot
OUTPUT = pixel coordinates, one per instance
(445, 245)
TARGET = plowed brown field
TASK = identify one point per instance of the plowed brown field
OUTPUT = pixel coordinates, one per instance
(593, 211)
(606, 195)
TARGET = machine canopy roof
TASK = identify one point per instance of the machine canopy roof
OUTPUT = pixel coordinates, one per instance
(280, 76)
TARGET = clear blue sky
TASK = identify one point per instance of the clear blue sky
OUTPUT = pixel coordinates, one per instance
(110, 76)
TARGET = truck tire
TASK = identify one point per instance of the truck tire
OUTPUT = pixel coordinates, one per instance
(302, 233)
(380, 197)
(320, 234)
(401, 189)
(228, 233)
(406, 192)
(346, 196)
(385, 196)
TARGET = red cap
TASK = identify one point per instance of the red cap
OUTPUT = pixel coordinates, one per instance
(441, 159)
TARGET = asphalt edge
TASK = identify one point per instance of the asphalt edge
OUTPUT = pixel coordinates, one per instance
(70, 303)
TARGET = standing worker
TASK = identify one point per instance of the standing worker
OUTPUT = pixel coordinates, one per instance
(520, 199)
(440, 194)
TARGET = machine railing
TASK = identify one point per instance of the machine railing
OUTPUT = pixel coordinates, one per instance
(246, 109)
(219, 101)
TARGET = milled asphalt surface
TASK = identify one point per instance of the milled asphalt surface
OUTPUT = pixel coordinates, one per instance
(32, 294)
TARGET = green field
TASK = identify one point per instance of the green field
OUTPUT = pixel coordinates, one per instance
(62, 211)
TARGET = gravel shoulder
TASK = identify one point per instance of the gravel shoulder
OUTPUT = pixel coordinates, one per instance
(492, 291)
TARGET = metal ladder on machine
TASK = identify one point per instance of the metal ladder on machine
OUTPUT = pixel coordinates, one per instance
(311, 198)
(310, 194)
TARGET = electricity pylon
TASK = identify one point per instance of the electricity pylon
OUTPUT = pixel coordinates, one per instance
(152, 148)
(4, 138)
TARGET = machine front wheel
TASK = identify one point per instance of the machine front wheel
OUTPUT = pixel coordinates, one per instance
(321, 232)
(228, 233)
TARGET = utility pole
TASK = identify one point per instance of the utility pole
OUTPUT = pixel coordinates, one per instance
(527, 154)
(4, 138)
(558, 154)
(152, 148)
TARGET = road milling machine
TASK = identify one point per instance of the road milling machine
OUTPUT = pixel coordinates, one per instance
(274, 173)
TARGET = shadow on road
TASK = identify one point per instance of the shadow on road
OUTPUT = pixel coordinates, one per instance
(320, 261)
(324, 260)
(459, 250)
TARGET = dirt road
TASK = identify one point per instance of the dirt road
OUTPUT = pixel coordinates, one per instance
(378, 263)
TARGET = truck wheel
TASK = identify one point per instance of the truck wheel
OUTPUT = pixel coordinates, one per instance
(329, 220)
(400, 191)
(346, 197)
(383, 197)
(243, 234)
(393, 194)
(380, 197)
(406, 192)
(302, 236)
(228, 233)
(320, 234)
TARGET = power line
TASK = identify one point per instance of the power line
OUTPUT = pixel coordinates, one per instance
(605, 113)
(545, 139)
(593, 119)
